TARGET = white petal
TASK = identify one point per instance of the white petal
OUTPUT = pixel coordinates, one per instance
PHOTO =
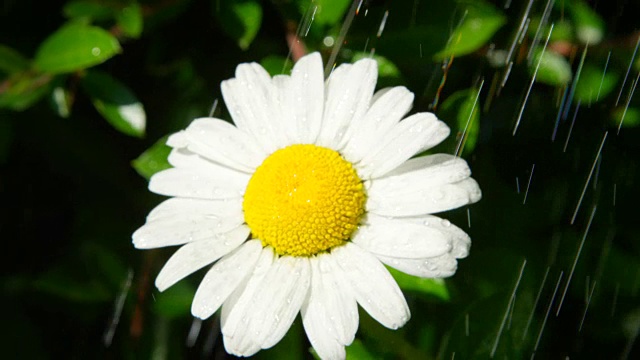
(305, 94)
(180, 229)
(284, 98)
(209, 209)
(348, 94)
(268, 314)
(317, 327)
(230, 320)
(240, 346)
(184, 158)
(438, 267)
(250, 100)
(459, 239)
(418, 200)
(410, 136)
(198, 254)
(288, 309)
(374, 288)
(424, 171)
(365, 134)
(399, 238)
(224, 277)
(212, 182)
(220, 141)
(178, 140)
(330, 301)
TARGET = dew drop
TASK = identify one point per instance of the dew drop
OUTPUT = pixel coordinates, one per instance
(437, 195)
(96, 51)
(430, 266)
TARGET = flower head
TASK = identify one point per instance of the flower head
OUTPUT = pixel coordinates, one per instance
(300, 204)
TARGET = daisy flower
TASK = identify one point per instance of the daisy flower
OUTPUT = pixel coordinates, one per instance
(303, 202)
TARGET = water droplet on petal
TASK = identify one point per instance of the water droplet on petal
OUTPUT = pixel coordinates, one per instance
(438, 195)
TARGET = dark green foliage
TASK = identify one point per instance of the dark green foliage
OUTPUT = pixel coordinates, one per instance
(80, 79)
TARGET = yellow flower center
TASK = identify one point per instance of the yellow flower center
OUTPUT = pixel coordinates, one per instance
(304, 199)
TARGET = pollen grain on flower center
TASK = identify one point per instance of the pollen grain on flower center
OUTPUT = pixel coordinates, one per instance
(304, 199)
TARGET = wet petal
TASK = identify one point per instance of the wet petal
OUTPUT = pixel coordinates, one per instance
(250, 99)
(164, 230)
(302, 98)
(374, 288)
(223, 278)
(221, 142)
(195, 255)
(366, 133)
(208, 183)
(209, 209)
(348, 92)
(416, 133)
(418, 200)
(271, 308)
(399, 238)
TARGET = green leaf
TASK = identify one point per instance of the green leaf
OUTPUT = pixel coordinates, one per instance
(480, 23)
(93, 10)
(554, 68)
(589, 25)
(175, 301)
(130, 20)
(562, 30)
(357, 351)
(75, 46)
(12, 61)
(386, 68)
(327, 12)
(388, 72)
(469, 122)
(593, 86)
(153, 160)
(459, 106)
(240, 19)
(425, 286)
(276, 65)
(630, 117)
(24, 89)
(115, 102)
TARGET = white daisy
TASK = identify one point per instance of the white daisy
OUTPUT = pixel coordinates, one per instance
(301, 203)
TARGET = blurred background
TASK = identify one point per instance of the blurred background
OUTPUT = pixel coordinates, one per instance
(539, 95)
